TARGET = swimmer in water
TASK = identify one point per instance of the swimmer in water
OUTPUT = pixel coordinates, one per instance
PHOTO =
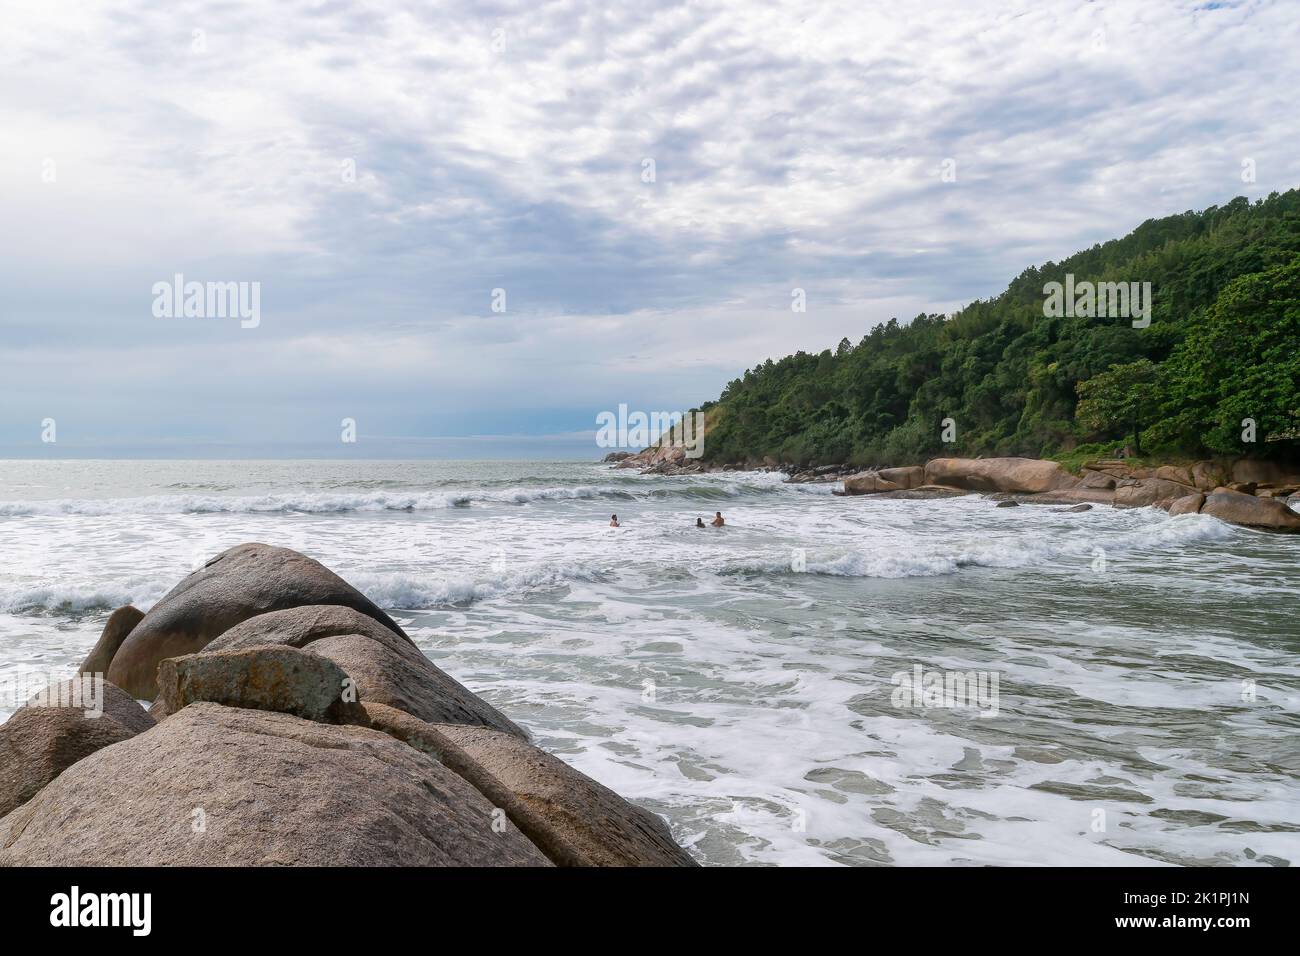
(717, 521)
(613, 521)
(699, 522)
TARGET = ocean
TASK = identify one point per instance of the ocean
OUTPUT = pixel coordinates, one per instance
(784, 690)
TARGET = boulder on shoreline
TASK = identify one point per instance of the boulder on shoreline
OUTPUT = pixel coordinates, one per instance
(573, 819)
(225, 786)
(1237, 508)
(43, 739)
(266, 756)
(117, 629)
(274, 678)
(396, 672)
(237, 584)
(885, 479)
(1020, 475)
(1187, 505)
(1144, 492)
(926, 493)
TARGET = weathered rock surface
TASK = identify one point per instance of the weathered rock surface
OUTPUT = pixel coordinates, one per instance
(387, 667)
(1022, 475)
(238, 584)
(570, 817)
(875, 481)
(1143, 492)
(926, 492)
(909, 476)
(274, 678)
(1070, 496)
(1007, 504)
(1187, 505)
(1176, 473)
(299, 626)
(40, 742)
(1097, 479)
(1078, 508)
(116, 630)
(114, 703)
(219, 786)
(1208, 475)
(1264, 472)
(1237, 508)
(868, 483)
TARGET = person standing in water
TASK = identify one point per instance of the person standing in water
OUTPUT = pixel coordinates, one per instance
(613, 521)
(717, 521)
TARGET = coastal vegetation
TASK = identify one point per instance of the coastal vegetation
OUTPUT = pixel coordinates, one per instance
(1213, 370)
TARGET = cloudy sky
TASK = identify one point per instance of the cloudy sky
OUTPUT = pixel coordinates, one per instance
(381, 167)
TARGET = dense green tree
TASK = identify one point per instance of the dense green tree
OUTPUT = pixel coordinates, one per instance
(1122, 397)
(1223, 337)
(1239, 363)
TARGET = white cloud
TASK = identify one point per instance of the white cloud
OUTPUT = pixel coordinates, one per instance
(793, 145)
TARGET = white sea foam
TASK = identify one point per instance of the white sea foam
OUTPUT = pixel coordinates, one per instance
(930, 560)
(342, 502)
(406, 591)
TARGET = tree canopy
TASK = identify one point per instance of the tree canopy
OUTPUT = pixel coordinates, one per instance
(1222, 346)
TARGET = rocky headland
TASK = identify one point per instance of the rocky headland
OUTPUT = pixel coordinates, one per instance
(292, 722)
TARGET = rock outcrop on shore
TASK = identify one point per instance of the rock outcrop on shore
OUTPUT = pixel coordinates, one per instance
(1248, 492)
(305, 728)
(1255, 494)
(232, 587)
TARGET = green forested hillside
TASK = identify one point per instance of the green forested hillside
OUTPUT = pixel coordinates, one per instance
(1223, 345)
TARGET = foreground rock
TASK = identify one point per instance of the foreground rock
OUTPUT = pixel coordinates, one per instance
(386, 666)
(282, 679)
(40, 741)
(573, 819)
(241, 583)
(1269, 513)
(1021, 475)
(266, 755)
(218, 786)
(116, 630)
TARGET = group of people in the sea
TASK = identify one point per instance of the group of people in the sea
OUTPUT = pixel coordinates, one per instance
(717, 521)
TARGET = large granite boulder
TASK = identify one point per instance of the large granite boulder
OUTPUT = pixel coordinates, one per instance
(386, 666)
(117, 628)
(1145, 492)
(884, 479)
(1187, 505)
(219, 786)
(908, 476)
(240, 583)
(1236, 508)
(276, 678)
(299, 626)
(570, 817)
(1208, 475)
(1097, 479)
(90, 694)
(44, 738)
(1264, 472)
(868, 483)
(1176, 473)
(1019, 475)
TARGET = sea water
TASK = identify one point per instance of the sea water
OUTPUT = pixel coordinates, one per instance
(753, 684)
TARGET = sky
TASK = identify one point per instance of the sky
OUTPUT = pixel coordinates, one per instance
(473, 227)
